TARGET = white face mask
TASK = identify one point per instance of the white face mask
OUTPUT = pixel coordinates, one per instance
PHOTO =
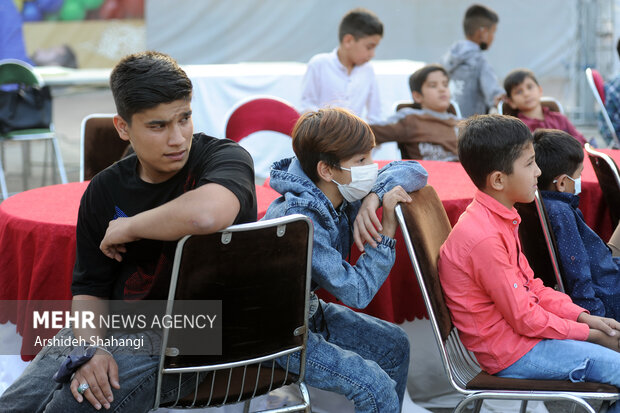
(363, 178)
(577, 184)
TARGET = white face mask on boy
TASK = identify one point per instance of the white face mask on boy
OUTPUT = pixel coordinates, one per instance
(363, 178)
(577, 184)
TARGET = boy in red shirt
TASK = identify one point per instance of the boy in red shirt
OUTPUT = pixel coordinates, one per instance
(523, 93)
(515, 326)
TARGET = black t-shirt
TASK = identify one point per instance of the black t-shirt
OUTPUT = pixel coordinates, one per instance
(118, 191)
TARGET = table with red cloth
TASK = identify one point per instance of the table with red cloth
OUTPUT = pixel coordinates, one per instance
(37, 240)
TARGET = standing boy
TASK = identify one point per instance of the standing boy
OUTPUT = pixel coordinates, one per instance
(515, 326)
(130, 217)
(590, 271)
(426, 131)
(344, 77)
(473, 82)
(523, 93)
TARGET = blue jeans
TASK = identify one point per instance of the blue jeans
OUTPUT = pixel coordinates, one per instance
(35, 391)
(572, 360)
(365, 359)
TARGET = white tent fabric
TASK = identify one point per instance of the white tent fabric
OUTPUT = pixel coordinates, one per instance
(539, 35)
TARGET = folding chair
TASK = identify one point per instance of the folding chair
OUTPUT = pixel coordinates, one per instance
(261, 273)
(425, 227)
(539, 244)
(608, 179)
(100, 145)
(258, 113)
(553, 104)
(595, 81)
(13, 71)
(453, 108)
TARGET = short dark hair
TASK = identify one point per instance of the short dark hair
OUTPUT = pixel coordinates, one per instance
(360, 23)
(557, 153)
(417, 79)
(490, 143)
(478, 16)
(144, 80)
(516, 77)
(330, 135)
(618, 47)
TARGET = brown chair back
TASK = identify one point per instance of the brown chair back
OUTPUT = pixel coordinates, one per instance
(101, 145)
(608, 177)
(428, 226)
(539, 244)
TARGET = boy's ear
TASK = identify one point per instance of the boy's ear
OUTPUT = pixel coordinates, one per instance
(324, 171)
(122, 127)
(347, 39)
(559, 182)
(496, 180)
(417, 97)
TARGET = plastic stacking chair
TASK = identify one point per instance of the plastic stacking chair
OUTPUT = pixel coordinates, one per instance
(539, 244)
(425, 227)
(13, 71)
(100, 145)
(546, 101)
(608, 177)
(453, 108)
(261, 273)
(595, 81)
(260, 113)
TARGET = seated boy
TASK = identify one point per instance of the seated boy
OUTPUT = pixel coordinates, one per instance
(515, 326)
(429, 132)
(590, 272)
(350, 353)
(344, 77)
(473, 81)
(523, 94)
(130, 216)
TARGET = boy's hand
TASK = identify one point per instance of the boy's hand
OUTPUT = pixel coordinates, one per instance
(367, 224)
(390, 199)
(99, 373)
(115, 238)
(598, 337)
(606, 325)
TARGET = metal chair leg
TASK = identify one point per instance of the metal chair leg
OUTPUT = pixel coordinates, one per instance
(60, 164)
(5, 192)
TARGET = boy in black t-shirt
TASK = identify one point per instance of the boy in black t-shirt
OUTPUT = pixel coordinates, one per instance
(130, 217)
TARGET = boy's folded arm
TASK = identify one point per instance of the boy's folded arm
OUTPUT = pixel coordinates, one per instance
(410, 175)
(354, 285)
(395, 131)
(517, 305)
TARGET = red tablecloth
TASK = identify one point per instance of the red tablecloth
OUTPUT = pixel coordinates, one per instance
(37, 240)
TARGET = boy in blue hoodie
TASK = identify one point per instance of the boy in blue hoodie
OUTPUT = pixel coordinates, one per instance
(333, 181)
(589, 269)
(473, 82)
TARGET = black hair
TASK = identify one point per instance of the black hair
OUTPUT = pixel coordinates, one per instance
(618, 47)
(417, 79)
(478, 16)
(144, 80)
(489, 143)
(557, 153)
(360, 23)
(516, 77)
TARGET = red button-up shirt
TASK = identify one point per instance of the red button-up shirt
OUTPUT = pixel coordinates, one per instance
(499, 308)
(552, 120)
